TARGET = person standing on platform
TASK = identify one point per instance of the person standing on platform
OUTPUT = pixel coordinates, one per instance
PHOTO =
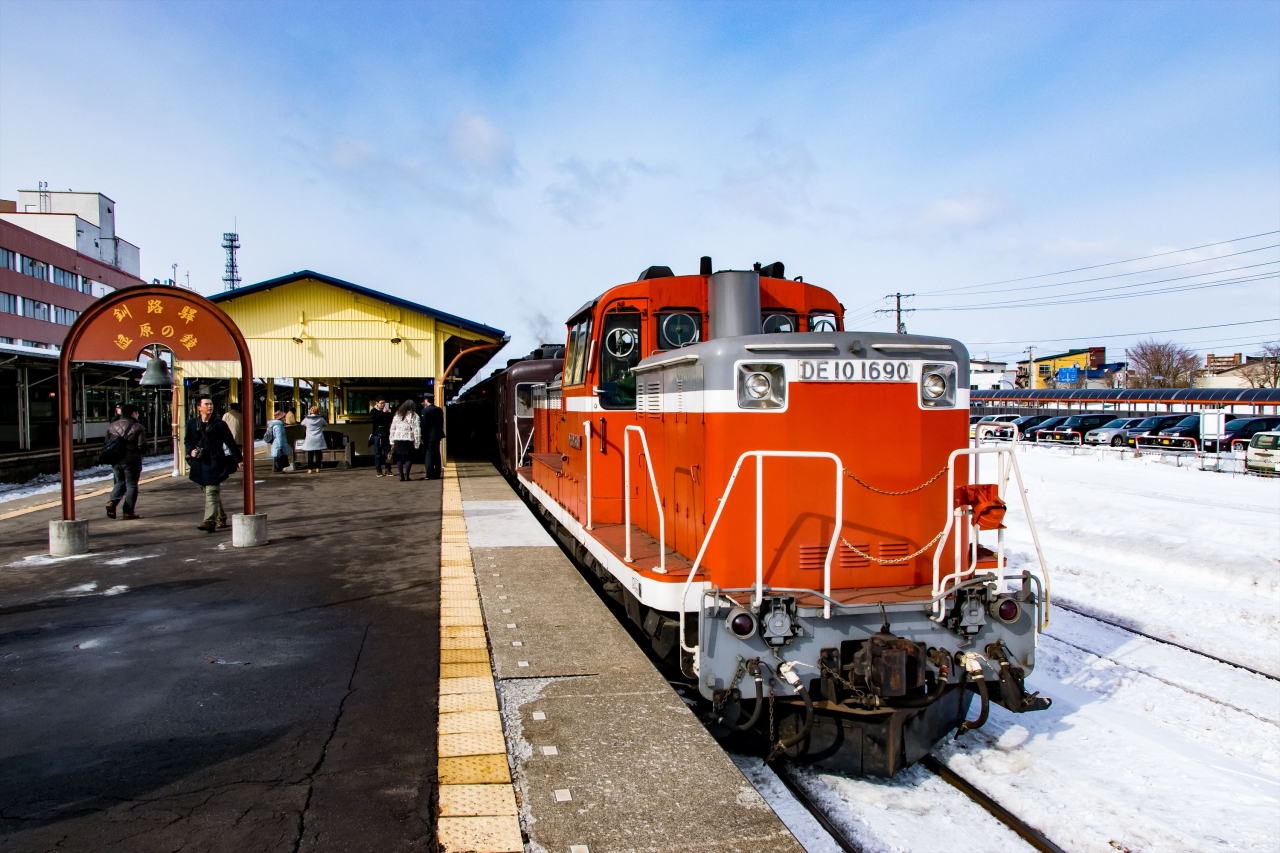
(380, 434)
(279, 444)
(432, 433)
(213, 456)
(313, 442)
(290, 419)
(406, 436)
(127, 470)
(235, 422)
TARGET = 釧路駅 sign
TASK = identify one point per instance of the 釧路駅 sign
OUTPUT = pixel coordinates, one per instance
(172, 320)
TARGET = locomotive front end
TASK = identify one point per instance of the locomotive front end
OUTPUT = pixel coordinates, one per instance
(854, 596)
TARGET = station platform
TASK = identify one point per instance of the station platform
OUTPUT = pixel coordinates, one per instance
(603, 754)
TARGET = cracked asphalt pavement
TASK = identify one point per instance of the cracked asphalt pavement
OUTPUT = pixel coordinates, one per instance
(169, 692)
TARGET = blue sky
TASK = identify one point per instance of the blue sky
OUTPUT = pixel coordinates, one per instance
(508, 161)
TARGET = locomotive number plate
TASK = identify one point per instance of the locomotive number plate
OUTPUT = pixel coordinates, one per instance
(854, 370)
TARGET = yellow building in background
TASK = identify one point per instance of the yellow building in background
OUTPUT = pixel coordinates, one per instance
(344, 344)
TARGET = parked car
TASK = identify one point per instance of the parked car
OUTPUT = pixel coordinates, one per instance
(1030, 433)
(1006, 431)
(1241, 430)
(1072, 430)
(1263, 454)
(1184, 435)
(988, 419)
(1150, 426)
(1112, 432)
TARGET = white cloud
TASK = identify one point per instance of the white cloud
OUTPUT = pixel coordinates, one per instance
(580, 196)
(774, 185)
(479, 144)
(968, 211)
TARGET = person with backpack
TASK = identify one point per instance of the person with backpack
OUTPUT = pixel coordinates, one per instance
(125, 442)
(213, 456)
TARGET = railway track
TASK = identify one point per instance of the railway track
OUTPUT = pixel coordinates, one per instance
(1021, 828)
(1122, 627)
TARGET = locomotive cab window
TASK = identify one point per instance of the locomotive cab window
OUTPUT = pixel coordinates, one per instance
(619, 354)
(823, 321)
(778, 321)
(679, 328)
(575, 358)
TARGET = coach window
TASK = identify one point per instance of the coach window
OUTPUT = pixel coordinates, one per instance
(778, 321)
(619, 354)
(524, 399)
(679, 327)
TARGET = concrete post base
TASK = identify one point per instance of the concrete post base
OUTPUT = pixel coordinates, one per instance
(248, 531)
(68, 538)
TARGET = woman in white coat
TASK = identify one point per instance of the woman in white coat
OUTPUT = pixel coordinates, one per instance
(406, 436)
(313, 442)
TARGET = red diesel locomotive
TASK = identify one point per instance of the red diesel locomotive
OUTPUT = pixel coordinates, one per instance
(789, 510)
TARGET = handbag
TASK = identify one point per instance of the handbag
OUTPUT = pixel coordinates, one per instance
(113, 451)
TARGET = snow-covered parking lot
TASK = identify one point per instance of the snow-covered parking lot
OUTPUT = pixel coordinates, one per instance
(1147, 747)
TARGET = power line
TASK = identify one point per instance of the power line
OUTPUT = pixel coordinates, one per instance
(995, 306)
(1109, 264)
(1123, 274)
(1123, 334)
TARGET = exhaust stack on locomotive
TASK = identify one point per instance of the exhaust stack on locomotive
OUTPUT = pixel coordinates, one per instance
(790, 511)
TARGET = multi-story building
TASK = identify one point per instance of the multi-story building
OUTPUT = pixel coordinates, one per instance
(988, 375)
(54, 264)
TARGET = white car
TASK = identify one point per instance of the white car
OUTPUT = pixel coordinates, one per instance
(1263, 455)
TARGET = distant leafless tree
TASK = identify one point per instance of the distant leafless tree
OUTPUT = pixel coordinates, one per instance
(1156, 364)
(1264, 371)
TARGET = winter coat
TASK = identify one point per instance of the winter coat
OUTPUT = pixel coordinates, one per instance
(381, 422)
(275, 434)
(432, 423)
(134, 439)
(315, 433)
(406, 428)
(218, 456)
(235, 423)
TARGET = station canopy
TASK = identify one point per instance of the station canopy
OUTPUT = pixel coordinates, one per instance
(307, 324)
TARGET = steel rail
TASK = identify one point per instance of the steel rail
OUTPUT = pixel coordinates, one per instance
(837, 834)
(1156, 639)
(1024, 830)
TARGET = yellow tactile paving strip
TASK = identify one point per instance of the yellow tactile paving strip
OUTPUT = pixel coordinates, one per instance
(477, 805)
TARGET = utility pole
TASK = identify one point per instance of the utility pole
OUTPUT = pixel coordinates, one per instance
(1031, 367)
(897, 311)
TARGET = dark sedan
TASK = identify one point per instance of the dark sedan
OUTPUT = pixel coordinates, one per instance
(1073, 429)
(1030, 433)
(1241, 430)
(1184, 435)
(1150, 426)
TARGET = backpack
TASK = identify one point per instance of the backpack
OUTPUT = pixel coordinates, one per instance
(113, 451)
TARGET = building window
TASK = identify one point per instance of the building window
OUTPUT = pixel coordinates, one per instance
(6, 259)
(1045, 369)
(35, 310)
(62, 278)
(64, 316)
(35, 269)
(35, 344)
(86, 285)
(6, 340)
(8, 304)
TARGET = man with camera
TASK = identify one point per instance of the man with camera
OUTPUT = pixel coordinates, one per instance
(213, 456)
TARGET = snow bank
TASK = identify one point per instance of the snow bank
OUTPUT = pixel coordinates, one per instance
(47, 483)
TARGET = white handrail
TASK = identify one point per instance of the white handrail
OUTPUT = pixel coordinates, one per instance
(586, 446)
(626, 478)
(940, 583)
(724, 499)
(524, 450)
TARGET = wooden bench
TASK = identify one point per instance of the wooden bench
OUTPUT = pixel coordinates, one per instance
(345, 457)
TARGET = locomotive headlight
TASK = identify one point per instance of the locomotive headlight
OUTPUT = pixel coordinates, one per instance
(761, 386)
(757, 385)
(935, 385)
(1005, 609)
(741, 623)
(938, 386)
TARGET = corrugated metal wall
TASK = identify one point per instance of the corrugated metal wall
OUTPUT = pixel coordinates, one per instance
(343, 334)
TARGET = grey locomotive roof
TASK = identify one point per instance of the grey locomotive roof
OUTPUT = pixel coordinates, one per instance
(717, 357)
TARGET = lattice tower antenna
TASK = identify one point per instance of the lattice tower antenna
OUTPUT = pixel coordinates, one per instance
(231, 277)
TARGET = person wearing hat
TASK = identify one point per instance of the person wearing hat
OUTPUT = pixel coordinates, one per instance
(126, 472)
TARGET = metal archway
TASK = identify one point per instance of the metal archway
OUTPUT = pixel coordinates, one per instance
(122, 324)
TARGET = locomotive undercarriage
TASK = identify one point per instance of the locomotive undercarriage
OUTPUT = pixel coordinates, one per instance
(872, 689)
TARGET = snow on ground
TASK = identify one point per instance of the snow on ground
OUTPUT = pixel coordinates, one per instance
(1147, 747)
(1192, 556)
(48, 483)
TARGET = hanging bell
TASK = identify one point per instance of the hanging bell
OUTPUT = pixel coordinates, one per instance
(156, 375)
